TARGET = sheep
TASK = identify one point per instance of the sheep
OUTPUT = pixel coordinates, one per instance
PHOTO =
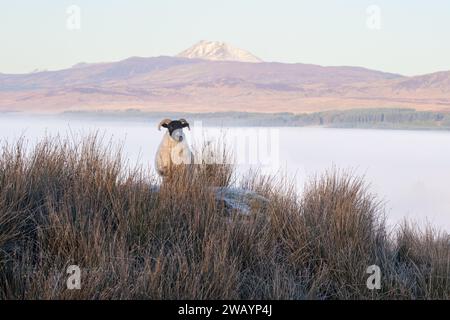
(173, 149)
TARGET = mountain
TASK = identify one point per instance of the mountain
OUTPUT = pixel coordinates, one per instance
(191, 84)
(217, 51)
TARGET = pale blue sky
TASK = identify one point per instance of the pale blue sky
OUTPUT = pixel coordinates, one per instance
(414, 37)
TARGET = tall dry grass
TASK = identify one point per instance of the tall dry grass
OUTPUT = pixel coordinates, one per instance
(67, 203)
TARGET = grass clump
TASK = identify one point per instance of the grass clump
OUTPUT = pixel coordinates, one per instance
(65, 203)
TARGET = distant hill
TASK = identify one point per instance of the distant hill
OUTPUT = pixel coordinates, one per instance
(195, 83)
(218, 51)
(381, 118)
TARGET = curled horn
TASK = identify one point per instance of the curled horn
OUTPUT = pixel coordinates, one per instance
(165, 121)
(185, 123)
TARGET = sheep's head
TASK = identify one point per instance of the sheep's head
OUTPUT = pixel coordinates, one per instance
(175, 128)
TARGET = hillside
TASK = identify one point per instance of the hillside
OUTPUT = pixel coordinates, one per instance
(201, 85)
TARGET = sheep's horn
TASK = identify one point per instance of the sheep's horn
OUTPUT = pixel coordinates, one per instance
(184, 122)
(165, 121)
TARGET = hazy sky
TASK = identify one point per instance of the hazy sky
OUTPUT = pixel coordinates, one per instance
(413, 38)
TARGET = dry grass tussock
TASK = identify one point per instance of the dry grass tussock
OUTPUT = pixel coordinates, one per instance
(65, 203)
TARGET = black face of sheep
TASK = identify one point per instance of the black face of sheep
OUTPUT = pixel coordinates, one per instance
(175, 128)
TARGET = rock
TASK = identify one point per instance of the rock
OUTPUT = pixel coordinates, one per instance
(240, 201)
(155, 188)
(235, 200)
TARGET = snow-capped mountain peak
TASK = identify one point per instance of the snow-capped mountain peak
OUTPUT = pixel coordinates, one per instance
(218, 51)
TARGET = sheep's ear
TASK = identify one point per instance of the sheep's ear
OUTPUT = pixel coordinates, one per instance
(185, 124)
(164, 123)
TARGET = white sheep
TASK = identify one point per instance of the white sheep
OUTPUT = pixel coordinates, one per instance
(173, 149)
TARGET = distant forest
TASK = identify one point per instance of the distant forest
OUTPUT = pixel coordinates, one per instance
(377, 118)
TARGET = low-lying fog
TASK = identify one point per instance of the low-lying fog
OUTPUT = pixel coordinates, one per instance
(408, 170)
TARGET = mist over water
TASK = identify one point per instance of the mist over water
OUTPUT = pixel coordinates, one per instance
(408, 170)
